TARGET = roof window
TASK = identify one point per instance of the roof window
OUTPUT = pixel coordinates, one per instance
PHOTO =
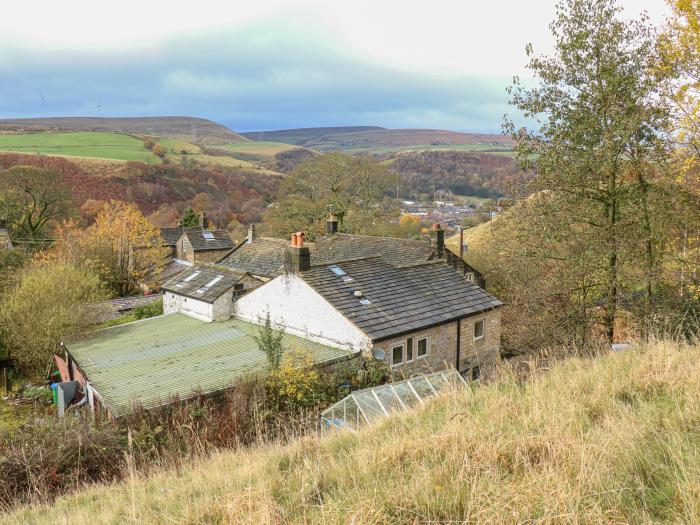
(209, 236)
(213, 281)
(191, 276)
(337, 270)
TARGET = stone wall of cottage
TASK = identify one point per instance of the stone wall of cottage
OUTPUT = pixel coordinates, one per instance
(442, 346)
(184, 251)
(483, 352)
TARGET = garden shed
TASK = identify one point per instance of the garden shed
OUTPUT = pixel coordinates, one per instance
(368, 405)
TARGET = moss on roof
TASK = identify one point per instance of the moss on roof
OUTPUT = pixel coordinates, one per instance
(152, 361)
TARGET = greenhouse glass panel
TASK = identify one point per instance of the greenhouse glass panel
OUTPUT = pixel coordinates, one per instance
(370, 404)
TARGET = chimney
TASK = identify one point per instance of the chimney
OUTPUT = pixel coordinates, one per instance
(251, 234)
(203, 222)
(297, 257)
(332, 225)
(461, 242)
(439, 235)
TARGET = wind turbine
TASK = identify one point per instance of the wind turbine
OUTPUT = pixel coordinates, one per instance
(41, 97)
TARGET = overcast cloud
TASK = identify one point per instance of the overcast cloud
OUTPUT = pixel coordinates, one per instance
(270, 67)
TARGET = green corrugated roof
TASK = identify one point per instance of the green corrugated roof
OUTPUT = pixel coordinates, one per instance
(153, 360)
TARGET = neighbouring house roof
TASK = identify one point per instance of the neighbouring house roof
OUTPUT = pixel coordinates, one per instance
(172, 235)
(265, 256)
(397, 252)
(115, 308)
(401, 300)
(203, 282)
(172, 268)
(205, 240)
(152, 361)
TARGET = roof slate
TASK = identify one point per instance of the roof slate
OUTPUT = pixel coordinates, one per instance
(402, 300)
(172, 235)
(220, 240)
(193, 282)
(265, 256)
(152, 361)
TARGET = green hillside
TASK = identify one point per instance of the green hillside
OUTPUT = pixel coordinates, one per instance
(100, 145)
(612, 439)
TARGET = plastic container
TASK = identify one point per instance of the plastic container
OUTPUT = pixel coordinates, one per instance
(54, 392)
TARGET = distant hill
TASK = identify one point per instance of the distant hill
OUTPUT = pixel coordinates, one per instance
(303, 136)
(360, 139)
(206, 131)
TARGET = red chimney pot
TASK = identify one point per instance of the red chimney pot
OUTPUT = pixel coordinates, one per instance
(436, 226)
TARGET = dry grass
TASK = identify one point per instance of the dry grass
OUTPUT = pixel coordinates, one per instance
(614, 439)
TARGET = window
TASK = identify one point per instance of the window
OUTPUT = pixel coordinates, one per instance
(409, 349)
(476, 373)
(397, 355)
(479, 330)
(209, 236)
(423, 347)
(213, 281)
(365, 301)
(337, 270)
(469, 277)
(191, 276)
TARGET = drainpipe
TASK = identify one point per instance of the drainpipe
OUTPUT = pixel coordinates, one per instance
(459, 332)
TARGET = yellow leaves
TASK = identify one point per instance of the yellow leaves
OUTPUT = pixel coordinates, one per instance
(296, 380)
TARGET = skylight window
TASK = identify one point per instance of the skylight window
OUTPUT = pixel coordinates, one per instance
(365, 301)
(191, 276)
(209, 236)
(337, 270)
(213, 281)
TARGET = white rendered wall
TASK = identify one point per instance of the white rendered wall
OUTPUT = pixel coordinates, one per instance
(177, 303)
(302, 311)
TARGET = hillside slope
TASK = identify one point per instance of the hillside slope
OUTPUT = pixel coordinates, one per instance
(361, 139)
(613, 439)
(205, 131)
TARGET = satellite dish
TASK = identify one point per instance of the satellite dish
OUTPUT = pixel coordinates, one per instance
(378, 353)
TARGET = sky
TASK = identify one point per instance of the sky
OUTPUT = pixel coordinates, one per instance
(275, 64)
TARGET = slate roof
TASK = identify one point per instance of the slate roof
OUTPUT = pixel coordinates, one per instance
(153, 360)
(203, 283)
(172, 268)
(219, 240)
(172, 235)
(402, 300)
(397, 252)
(263, 257)
(115, 308)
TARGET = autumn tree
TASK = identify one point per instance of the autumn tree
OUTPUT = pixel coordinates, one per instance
(332, 181)
(122, 246)
(47, 306)
(598, 143)
(32, 199)
(159, 151)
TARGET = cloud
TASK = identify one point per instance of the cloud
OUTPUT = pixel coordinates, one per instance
(271, 75)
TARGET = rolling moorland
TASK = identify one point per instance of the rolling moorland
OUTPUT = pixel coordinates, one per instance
(606, 439)
(374, 140)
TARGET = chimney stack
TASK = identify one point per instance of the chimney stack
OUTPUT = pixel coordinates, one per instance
(297, 256)
(203, 222)
(332, 225)
(251, 234)
(439, 234)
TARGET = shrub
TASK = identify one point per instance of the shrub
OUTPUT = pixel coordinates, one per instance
(296, 381)
(269, 340)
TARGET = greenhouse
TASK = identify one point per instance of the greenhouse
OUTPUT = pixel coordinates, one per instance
(370, 404)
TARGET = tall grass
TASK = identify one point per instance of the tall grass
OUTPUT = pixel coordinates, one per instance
(611, 439)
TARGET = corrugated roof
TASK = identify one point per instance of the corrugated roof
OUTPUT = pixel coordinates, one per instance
(401, 300)
(152, 361)
(209, 240)
(203, 283)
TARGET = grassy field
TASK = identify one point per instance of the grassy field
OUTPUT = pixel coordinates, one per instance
(611, 439)
(99, 145)
(468, 148)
